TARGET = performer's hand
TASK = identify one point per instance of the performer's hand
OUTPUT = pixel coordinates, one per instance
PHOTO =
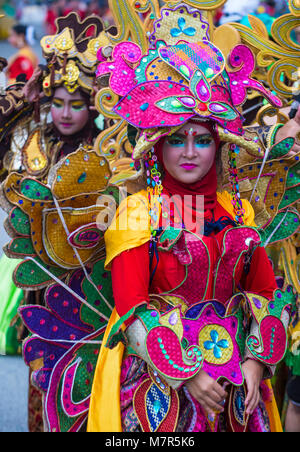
(291, 129)
(208, 392)
(32, 89)
(253, 372)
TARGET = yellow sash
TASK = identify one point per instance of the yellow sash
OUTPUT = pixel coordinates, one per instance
(104, 413)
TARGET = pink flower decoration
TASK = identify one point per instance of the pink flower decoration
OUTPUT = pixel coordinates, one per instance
(215, 344)
(122, 67)
(242, 57)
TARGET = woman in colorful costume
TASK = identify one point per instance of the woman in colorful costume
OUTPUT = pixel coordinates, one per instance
(25, 61)
(176, 319)
(31, 144)
(193, 287)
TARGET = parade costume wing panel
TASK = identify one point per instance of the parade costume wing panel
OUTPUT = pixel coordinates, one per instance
(57, 231)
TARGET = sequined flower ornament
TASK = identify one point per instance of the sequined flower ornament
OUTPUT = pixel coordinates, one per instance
(182, 29)
(215, 344)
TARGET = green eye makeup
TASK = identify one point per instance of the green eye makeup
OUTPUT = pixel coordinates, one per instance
(76, 105)
(176, 141)
(199, 141)
(57, 103)
(203, 141)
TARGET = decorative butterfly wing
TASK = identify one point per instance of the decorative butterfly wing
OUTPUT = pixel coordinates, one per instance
(65, 343)
(57, 229)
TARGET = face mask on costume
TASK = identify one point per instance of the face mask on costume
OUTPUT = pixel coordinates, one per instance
(69, 112)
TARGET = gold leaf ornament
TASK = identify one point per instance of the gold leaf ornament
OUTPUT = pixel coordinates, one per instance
(72, 73)
(59, 44)
(33, 155)
(258, 26)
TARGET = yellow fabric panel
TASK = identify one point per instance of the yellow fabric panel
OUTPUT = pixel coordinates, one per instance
(224, 199)
(271, 406)
(130, 227)
(104, 412)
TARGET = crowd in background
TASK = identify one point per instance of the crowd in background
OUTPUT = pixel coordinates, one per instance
(47, 11)
(27, 20)
(60, 8)
(44, 13)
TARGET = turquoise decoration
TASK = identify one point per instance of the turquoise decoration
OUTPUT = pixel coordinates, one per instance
(99, 121)
(189, 31)
(189, 354)
(82, 178)
(200, 86)
(149, 316)
(156, 406)
(168, 238)
(144, 106)
(151, 57)
(182, 23)
(215, 344)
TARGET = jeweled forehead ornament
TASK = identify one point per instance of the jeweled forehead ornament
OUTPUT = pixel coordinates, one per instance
(190, 132)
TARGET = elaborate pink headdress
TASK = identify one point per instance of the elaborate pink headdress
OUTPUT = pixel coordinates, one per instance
(182, 76)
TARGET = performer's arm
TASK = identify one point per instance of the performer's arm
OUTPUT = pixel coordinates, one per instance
(130, 278)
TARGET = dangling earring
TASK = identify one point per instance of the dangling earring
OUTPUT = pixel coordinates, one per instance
(154, 190)
(236, 197)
